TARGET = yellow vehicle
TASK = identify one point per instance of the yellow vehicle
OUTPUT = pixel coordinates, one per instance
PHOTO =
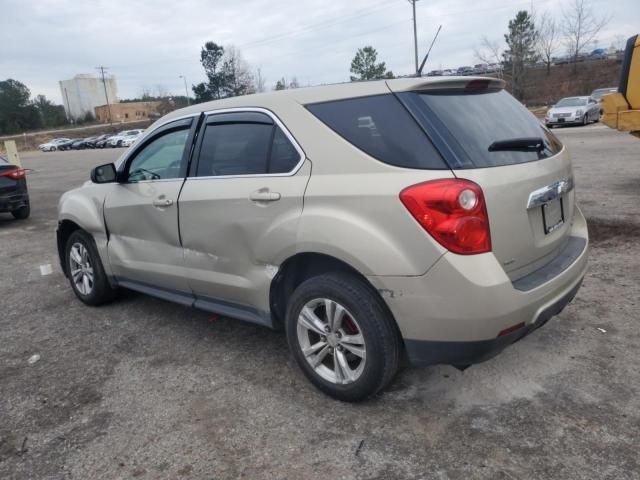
(622, 109)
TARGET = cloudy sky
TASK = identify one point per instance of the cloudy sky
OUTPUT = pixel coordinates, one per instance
(149, 43)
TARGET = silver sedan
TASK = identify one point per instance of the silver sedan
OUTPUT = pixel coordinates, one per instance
(573, 110)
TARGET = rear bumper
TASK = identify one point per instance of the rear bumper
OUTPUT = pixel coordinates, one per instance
(9, 203)
(455, 313)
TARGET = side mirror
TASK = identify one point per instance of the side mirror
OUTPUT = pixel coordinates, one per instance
(104, 173)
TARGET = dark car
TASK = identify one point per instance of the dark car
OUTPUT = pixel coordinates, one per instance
(78, 144)
(92, 141)
(14, 197)
(68, 144)
(102, 142)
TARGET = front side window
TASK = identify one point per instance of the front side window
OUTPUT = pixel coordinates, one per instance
(230, 149)
(160, 159)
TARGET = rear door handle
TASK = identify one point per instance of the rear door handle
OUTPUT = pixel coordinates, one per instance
(164, 202)
(264, 195)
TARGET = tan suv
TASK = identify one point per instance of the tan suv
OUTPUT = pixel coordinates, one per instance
(431, 220)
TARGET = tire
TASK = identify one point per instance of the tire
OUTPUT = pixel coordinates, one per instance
(52, 149)
(585, 120)
(95, 292)
(22, 213)
(366, 322)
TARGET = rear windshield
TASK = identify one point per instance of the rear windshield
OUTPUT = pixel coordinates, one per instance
(380, 126)
(463, 125)
(3, 161)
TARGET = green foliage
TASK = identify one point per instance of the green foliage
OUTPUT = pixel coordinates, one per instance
(50, 114)
(281, 84)
(228, 75)
(365, 67)
(521, 42)
(17, 114)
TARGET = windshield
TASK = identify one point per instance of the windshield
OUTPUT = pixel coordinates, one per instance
(467, 124)
(572, 102)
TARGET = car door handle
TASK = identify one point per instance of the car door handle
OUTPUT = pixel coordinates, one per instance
(164, 202)
(264, 195)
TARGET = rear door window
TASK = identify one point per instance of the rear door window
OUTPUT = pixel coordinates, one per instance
(380, 126)
(465, 124)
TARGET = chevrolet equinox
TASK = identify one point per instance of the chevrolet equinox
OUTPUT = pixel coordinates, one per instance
(418, 220)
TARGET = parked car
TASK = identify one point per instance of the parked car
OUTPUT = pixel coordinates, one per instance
(598, 54)
(52, 145)
(362, 259)
(448, 72)
(91, 142)
(129, 140)
(494, 67)
(573, 110)
(103, 141)
(81, 143)
(14, 196)
(434, 73)
(480, 69)
(464, 71)
(116, 140)
(68, 144)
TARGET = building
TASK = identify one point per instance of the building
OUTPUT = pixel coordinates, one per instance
(84, 92)
(127, 111)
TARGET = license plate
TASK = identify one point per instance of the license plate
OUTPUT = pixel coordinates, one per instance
(552, 215)
(560, 120)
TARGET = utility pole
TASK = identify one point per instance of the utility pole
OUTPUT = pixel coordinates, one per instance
(102, 69)
(186, 91)
(415, 33)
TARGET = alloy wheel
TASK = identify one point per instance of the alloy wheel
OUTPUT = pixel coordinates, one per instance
(81, 269)
(331, 341)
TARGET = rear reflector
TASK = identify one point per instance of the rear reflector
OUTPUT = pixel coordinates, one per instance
(509, 330)
(453, 212)
(16, 173)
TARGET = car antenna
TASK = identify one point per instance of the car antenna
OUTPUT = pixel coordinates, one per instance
(419, 74)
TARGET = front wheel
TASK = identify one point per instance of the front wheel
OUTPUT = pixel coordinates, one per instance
(585, 120)
(85, 271)
(342, 336)
(52, 149)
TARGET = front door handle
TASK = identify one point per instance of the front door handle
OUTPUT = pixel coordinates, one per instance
(164, 202)
(264, 195)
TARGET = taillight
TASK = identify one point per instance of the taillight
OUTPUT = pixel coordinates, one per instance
(453, 212)
(16, 173)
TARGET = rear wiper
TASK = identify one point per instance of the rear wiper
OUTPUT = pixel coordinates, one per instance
(526, 144)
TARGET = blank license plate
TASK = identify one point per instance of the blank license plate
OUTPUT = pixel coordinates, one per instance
(552, 215)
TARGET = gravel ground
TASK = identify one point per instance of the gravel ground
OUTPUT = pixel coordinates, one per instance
(150, 390)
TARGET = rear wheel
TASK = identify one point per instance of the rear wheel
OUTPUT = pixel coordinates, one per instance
(342, 336)
(22, 213)
(86, 273)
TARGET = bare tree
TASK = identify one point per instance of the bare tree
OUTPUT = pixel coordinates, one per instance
(489, 52)
(260, 81)
(237, 73)
(580, 26)
(548, 38)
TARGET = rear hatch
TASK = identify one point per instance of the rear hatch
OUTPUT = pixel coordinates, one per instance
(488, 137)
(7, 184)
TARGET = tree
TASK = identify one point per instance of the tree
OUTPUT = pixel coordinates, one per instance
(16, 112)
(294, 83)
(51, 115)
(261, 82)
(580, 27)
(210, 57)
(236, 74)
(281, 84)
(364, 65)
(547, 39)
(489, 52)
(521, 42)
(202, 93)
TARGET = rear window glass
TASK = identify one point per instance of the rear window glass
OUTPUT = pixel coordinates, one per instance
(380, 126)
(3, 161)
(466, 124)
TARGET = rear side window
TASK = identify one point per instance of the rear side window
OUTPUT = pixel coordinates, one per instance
(245, 149)
(380, 126)
(465, 124)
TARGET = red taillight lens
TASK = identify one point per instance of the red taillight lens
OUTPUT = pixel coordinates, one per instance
(453, 212)
(16, 174)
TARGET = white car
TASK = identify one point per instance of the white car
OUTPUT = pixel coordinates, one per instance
(116, 140)
(130, 139)
(52, 145)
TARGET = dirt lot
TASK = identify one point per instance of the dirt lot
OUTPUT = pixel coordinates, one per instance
(150, 390)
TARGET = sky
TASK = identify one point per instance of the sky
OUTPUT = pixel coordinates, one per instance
(149, 44)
